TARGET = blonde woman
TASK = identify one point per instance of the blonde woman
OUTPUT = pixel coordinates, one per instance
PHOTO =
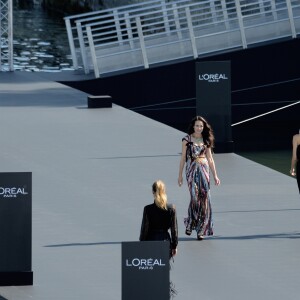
(159, 218)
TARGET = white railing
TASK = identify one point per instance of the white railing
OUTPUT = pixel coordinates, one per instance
(154, 32)
(75, 24)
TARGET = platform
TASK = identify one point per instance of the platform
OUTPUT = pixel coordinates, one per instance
(92, 172)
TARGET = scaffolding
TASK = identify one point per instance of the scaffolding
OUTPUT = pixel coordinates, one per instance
(6, 35)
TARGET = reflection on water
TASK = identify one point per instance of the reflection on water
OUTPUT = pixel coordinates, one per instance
(40, 41)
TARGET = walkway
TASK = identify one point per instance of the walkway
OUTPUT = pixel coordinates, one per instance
(157, 32)
(92, 175)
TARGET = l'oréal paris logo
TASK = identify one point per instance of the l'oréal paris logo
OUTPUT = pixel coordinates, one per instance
(212, 77)
(144, 264)
(12, 192)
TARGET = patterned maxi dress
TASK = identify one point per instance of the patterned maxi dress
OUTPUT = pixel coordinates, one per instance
(197, 176)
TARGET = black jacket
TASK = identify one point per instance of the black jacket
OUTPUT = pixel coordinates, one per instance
(157, 222)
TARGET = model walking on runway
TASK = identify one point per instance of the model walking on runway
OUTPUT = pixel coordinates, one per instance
(197, 155)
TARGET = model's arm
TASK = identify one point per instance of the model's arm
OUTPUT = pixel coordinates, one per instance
(144, 226)
(212, 166)
(182, 162)
(296, 139)
(174, 231)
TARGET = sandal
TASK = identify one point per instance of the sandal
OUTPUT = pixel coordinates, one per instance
(188, 232)
(200, 237)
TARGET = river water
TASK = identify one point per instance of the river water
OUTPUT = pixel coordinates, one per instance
(40, 38)
(40, 41)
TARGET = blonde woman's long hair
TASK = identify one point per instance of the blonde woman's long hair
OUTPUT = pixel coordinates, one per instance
(159, 193)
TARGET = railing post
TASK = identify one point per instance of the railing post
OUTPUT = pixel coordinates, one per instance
(191, 31)
(129, 30)
(241, 23)
(93, 51)
(177, 22)
(82, 48)
(274, 11)
(225, 14)
(261, 6)
(213, 10)
(142, 42)
(118, 26)
(291, 18)
(71, 42)
(165, 16)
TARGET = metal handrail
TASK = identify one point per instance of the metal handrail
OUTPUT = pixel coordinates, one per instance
(130, 17)
(179, 29)
(74, 35)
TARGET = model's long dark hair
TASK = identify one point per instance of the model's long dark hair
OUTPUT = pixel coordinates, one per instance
(207, 133)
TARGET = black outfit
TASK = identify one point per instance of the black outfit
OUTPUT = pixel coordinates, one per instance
(298, 167)
(156, 224)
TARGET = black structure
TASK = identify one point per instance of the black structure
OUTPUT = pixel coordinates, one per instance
(264, 77)
(99, 101)
(213, 100)
(145, 270)
(16, 229)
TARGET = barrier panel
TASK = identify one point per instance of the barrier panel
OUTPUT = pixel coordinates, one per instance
(213, 100)
(16, 229)
(145, 270)
(99, 101)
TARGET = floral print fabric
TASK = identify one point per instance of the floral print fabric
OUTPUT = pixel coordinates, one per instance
(198, 179)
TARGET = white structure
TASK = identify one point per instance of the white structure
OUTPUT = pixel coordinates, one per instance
(157, 31)
(6, 35)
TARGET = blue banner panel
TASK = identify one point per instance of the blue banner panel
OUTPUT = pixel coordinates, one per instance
(16, 228)
(145, 270)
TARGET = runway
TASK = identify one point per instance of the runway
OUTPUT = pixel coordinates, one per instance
(92, 173)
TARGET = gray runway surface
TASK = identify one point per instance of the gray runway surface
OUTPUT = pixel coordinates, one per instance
(92, 175)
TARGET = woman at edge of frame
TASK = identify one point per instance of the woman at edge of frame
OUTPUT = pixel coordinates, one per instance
(295, 164)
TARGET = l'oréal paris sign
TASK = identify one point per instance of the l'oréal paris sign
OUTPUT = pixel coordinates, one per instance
(213, 77)
(144, 263)
(12, 192)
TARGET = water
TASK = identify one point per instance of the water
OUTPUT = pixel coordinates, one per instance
(40, 41)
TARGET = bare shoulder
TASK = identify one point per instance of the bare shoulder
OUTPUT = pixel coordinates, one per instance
(184, 143)
(296, 139)
(185, 139)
